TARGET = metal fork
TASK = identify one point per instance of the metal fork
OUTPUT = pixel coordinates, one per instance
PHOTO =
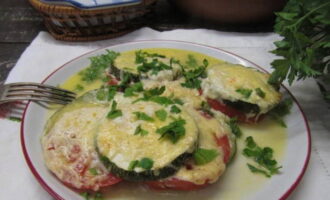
(35, 92)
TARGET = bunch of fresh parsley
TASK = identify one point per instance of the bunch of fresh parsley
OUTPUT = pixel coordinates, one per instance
(305, 47)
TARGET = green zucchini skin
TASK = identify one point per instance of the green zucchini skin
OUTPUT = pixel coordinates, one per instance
(147, 175)
(243, 106)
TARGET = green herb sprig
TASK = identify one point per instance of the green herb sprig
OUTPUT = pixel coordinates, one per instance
(305, 47)
(144, 163)
(263, 157)
(281, 110)
(173, 131)
(99, 64)
(114, 112)
(193, 72)
(203, 156)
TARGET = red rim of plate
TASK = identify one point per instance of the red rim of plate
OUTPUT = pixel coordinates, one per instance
(58, 197)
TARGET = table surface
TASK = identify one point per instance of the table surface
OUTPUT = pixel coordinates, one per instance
(20, 23)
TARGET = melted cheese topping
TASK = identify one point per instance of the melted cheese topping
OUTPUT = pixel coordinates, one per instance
(68, 145)
(117, 141)
(209, 130)
(224, 79)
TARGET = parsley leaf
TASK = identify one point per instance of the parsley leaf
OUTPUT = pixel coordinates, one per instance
(15, 119)
(93, 171)
(204, 156)
(282, 109)
(114, 113)
(192, 73)
(140, 131)
(133, 89)
(98, 66)
(260, 93)
(89, 196)
(145, 163)
(173, 131)
(143, 116)
(162, 100)
(304, 50)
(150, 62)
(206, 108)
(245, 92)
(132, 165)
(175, 109)
(262, 156)
(234, 127)
(258, 170)
(79, 88)
(178, 101)
(106, 93)
(161, 114)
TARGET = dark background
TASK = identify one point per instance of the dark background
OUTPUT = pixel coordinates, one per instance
(20, 23)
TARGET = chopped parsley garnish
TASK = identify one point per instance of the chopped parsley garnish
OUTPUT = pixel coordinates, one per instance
(282, 109)
(245, 92)
(79, 88)
(263, 158)
(126, 79)
(205, 107)
(133, 164)
(161, 114)
(133, 89)
(89, 196)
(144, 163)
(257, 170)
(178, 101)
(98, 66)
(114, 113)
(15, 119)
(101, 94)
(191, 62)
(204, 156)
(154, 96)
(234, 127)
(93, 171)
(140, 56)
(175, 109)
(173, 131)
(140, 131)
(143, 116)
(150, 63)
(260, 93)
(192, 76)
(154, 92)
(106, 93)
(162, 100)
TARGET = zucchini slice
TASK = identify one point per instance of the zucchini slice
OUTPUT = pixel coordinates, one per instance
(68, 146)
(244, 88)
(212, 132)
(140, 134)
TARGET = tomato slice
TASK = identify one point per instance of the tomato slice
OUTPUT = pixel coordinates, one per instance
(103, 182)
(175, 184)
(232, 112)
(223, 142)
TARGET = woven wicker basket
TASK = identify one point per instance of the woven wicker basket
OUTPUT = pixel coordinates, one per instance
(72, 24)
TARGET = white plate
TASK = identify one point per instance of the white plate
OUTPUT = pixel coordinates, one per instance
(294, 163)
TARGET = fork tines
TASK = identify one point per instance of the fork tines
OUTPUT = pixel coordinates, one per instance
(39, 92)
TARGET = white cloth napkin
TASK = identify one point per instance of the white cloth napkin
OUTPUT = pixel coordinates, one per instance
(46, 54)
